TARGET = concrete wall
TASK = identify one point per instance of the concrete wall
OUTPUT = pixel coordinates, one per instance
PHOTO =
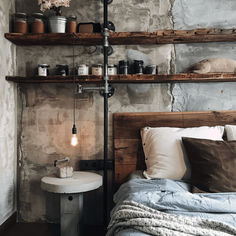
(197, 14)
(8, 110)
(46, 110)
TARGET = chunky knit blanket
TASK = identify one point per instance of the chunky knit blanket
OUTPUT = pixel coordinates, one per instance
(137, 216)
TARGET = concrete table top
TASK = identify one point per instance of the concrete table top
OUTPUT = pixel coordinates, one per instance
(80, 182)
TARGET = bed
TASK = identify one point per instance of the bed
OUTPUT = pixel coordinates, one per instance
(167, 205)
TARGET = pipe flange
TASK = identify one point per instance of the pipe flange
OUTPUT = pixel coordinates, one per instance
(111, 91)
(110, 50)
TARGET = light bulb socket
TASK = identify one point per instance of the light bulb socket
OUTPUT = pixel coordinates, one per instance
(74, 130)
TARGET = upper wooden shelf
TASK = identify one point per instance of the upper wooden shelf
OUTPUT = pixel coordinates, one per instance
(127, 38)
(175, 78)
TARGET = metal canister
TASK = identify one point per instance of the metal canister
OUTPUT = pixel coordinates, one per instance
(151, 69)
(43, 70)
(138, 67)
(62, 69)
(97, 69)
(112, 69)
(123, 67)
(83, 69)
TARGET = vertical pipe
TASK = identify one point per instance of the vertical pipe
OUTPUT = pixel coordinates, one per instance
(105, 14)
(105, 51)
(105, 182)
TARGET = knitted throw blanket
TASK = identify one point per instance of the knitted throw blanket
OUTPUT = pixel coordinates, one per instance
(137, 216)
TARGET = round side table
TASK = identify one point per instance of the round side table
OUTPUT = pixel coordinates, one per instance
(71, 197)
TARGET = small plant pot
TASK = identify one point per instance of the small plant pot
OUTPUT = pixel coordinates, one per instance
(57, 24)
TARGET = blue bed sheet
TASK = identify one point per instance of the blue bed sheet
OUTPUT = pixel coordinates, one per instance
(174, 197)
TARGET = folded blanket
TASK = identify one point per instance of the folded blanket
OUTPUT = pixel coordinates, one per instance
(134, 215)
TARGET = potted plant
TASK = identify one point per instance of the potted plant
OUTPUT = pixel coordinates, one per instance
(57, 23)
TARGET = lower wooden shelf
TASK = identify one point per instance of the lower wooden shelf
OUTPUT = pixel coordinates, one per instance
(163, 78)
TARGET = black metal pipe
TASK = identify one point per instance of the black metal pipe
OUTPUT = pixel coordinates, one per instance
(105, 14)
(105, 182)
(105, 52)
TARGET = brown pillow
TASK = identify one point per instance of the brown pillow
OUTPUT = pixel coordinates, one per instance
(213, 164)
(197, 190)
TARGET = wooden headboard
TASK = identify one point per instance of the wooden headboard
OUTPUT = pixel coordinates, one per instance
(128, 152)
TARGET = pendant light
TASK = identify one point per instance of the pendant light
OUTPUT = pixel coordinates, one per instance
(74, 139)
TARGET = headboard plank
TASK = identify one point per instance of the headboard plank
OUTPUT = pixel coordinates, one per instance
(128, 153)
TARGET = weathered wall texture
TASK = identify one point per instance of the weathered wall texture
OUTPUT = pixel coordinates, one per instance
(8, 117)
(197, 14)
(47, 109)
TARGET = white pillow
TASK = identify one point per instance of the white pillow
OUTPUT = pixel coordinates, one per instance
(230, 132)
(164, 152)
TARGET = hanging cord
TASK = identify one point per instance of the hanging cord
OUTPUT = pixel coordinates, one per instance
(74, 87)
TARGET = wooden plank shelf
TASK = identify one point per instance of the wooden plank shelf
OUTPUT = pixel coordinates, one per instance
(127, 38)
(164, 78)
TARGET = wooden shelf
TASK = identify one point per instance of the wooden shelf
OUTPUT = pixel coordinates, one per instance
(127, 38)
(175, 78)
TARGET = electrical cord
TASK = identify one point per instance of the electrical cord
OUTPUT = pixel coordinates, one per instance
(74, 87)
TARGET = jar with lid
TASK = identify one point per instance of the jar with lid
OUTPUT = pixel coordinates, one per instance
(138, 67)
(97, 69)
(62, 70)
(83, 69)
(112, 69)
(151, 69)
(20, 23)
(43, 70)
(37, 26)
(71, 25)
(123, 67)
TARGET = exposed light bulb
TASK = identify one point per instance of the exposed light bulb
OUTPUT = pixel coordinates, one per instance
(74, 140)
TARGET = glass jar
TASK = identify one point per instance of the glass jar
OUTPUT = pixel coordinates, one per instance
(138, 67)
(97, 69)
(83, 69)
(71, 25)
(123, 67)
(20, 23)
(112, 70)
(37, 26)
(43, 70)
(62, 70)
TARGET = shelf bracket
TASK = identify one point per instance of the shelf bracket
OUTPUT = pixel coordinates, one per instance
(110, 90)
(110, 93)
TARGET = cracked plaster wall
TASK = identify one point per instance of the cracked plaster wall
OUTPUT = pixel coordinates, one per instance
(8, 109)
(46, 111)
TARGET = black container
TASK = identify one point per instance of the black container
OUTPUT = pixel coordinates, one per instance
(138, 67)
(62, 69)
(123, 67)
(151, 69)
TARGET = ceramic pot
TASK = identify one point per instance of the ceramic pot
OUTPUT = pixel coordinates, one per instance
(57, 24)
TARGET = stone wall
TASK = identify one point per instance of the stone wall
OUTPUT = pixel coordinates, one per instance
(46, 110)
(8, 112)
